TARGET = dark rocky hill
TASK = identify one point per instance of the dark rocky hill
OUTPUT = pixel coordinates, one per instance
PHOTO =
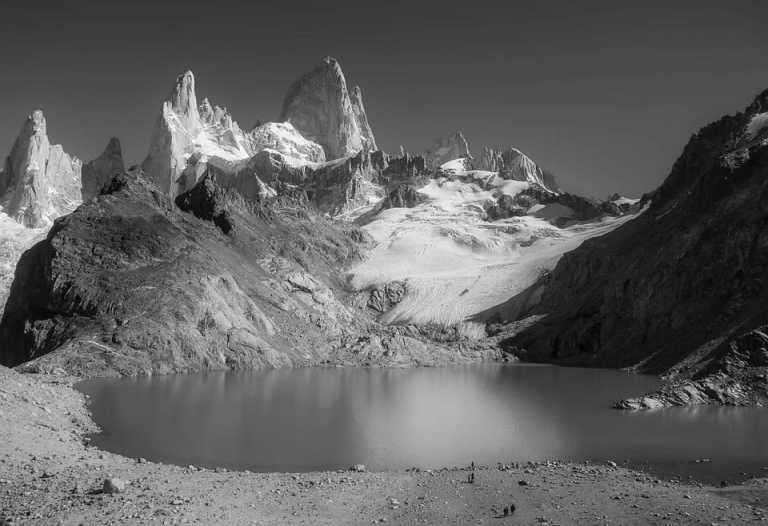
(681, 289)
(132, 283)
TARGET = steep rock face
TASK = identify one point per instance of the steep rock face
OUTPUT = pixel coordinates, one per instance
(40, 181)
(664, 291)
(514, 164)
(129, 284)
(321, 108)
(99, 172)
(446, 149)
(366, 133)
(183, 129)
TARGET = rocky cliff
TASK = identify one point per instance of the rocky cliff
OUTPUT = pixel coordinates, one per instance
(40, 181)
(132, 283)
(681, 288)
(321, 108)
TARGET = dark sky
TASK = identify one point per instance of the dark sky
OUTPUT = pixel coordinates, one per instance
(603, 94)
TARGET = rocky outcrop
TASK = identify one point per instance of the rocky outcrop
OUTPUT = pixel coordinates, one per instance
(98, 173)
(734, 374)
(671, 285)
(131, 284)
(40, 181)
(511, 163)
(283, 138)
(184, 130)
(321, 108)
(446, 149)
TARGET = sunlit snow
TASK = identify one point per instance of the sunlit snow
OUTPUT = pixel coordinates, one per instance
(458, 264)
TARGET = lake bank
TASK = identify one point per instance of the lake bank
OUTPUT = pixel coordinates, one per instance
(49, 476)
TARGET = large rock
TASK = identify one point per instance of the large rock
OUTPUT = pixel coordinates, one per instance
(98, 173)
(183, 131)
(668, 287)
(446, 149)
(321, 108)
(40, 181)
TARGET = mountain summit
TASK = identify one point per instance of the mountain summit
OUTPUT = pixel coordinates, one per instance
(321, 108)
(40, 181)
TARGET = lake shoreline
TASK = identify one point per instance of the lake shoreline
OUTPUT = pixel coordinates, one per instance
(51, 476)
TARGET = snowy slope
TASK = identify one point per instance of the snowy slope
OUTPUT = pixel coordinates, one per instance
(456, 262)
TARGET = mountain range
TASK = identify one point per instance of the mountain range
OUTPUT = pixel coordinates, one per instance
(299, 243)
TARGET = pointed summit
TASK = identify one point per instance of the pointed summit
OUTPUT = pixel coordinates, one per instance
(183, 131)
(100, 171)
(320, 107)
(40, 181)
(366, 133)
(183, 100)
(446, 149)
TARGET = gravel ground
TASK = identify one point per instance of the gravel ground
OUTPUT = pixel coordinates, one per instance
(49, 475)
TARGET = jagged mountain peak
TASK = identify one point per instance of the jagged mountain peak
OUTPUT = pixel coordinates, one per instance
(182, 98)
(185, 131)
(321, 108)
(98, 173)
(445, 149)
(40, 181)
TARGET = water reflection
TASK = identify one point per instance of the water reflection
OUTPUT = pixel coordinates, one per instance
(310, 419)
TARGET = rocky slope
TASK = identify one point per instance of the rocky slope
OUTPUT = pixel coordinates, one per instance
(320, 107)
(243, 285)
(40, 181)
(680, 289)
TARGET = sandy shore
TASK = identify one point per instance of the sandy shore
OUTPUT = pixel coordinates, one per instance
(49, 475)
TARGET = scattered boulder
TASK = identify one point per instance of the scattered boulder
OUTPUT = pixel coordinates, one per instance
(113, 486)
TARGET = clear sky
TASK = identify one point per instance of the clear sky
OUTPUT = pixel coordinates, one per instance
(602, 92)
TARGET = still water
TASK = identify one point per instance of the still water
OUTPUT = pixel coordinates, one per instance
(317, 419)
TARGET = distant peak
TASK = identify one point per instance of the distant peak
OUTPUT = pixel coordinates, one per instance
(35, 124)
(113, 145)
(182, 98)
(330, 61)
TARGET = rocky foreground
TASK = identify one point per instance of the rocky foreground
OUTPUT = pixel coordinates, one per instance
(49, 475)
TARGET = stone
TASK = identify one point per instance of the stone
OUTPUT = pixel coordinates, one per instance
(112, 486)
(358, 468)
